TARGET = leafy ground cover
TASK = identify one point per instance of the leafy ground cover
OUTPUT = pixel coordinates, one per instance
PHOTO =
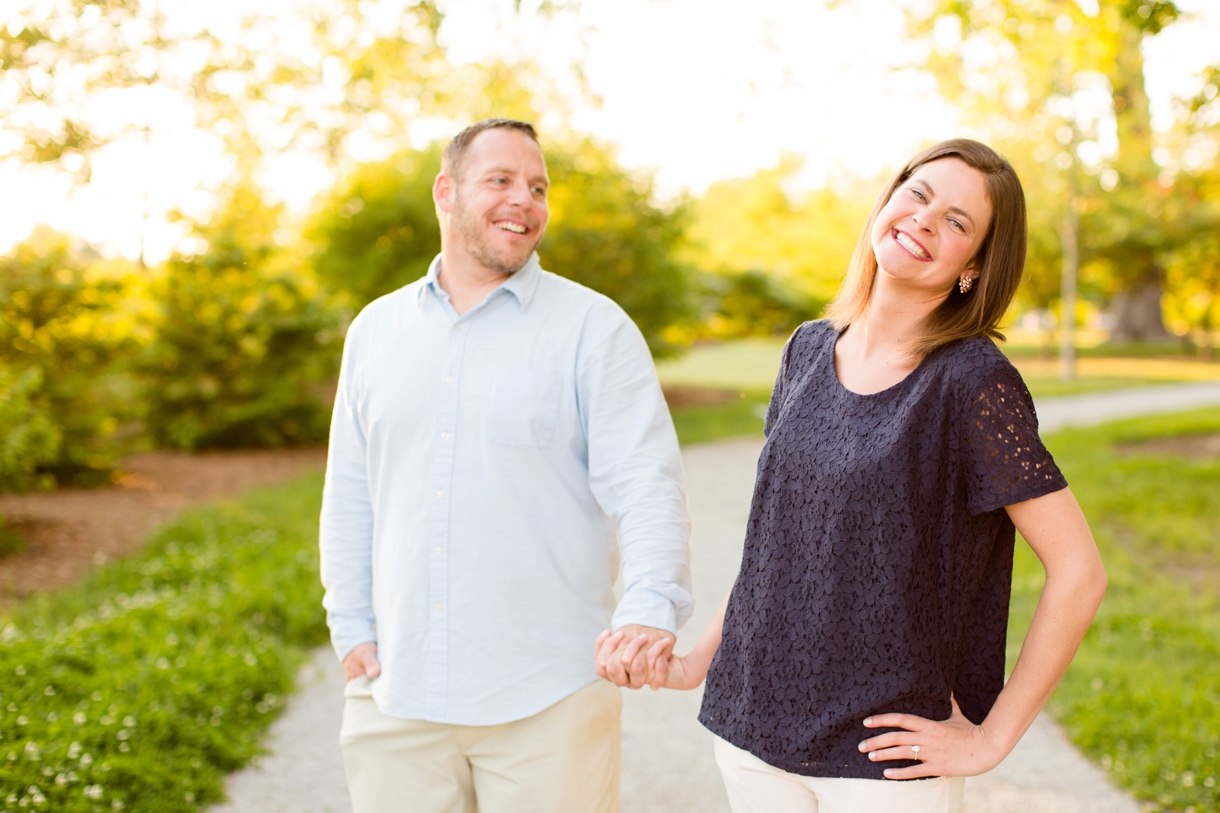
(140, 689)
(1143, 696)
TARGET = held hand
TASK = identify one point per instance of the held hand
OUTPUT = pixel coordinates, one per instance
(674, 671)
(954, 747)
(362, 661)
(624, 658)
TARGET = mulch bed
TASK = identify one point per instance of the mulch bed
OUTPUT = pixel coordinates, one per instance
(71, 530)
(1196, 446)
(684, 397)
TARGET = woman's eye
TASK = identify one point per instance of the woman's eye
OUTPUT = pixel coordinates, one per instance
(957, 225)
(918, 194)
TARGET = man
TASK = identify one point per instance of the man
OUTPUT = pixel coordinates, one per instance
(494, 425)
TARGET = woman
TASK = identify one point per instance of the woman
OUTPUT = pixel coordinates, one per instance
(864, 638)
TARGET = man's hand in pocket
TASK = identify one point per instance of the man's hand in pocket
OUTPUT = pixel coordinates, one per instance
(362, 661)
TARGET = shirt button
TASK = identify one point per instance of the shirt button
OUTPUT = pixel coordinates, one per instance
(438, 548)
(448, 379)
(459, 327)
(438, 605)
(440, 493)
(444, 436)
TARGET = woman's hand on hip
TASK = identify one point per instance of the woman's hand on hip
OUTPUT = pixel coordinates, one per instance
(953, 747)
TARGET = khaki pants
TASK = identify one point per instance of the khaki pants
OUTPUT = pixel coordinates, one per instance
(564, 759)
(756, 787)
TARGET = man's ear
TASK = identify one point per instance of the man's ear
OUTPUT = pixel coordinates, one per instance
(442, 192)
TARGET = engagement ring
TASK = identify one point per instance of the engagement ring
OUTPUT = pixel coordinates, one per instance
(915, 751)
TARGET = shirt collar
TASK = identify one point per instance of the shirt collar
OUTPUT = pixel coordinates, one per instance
(522, 284)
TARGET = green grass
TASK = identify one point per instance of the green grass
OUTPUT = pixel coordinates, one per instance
(745, 364)
(142, 688)
(1143, 694)
(733, 419)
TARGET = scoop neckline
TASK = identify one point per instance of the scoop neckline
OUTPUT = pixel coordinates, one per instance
(834, 371)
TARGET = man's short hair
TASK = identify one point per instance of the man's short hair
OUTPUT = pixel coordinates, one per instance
(455, 151)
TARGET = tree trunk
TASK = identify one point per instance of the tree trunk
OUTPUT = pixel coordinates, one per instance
(1137, 315)
(1137, 305)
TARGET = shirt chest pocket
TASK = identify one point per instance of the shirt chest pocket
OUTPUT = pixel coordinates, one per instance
(523, 407)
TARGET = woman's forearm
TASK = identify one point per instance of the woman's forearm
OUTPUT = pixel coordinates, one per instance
(1075, 583)
(705, 649)
(688, 671)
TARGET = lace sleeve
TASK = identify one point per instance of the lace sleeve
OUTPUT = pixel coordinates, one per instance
(777, 394)
(1006, 461)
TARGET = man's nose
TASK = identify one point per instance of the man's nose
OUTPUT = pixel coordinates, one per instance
(519, 193)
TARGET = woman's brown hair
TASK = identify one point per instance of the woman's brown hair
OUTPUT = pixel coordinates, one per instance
(1000, 259)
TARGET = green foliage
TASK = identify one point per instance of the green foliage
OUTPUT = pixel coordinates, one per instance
(377, 230)
(755, 223)
(1193, 269)
(299, 77)
(141, 689)
(754, 303)
(66, 314)
(241, 344)
(605, 232)
(1143, 696)
(29, 439)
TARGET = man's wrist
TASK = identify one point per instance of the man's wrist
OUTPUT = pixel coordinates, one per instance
(654, 633)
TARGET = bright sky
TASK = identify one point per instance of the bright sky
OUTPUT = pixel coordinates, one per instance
(694, 89)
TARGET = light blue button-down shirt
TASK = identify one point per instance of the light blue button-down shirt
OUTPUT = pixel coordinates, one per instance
(479, 468)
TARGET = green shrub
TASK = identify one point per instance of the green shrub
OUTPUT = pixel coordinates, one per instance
(241, 344)
(28, 441)
(754, 303)
(377, 230)
(29, 438)
(68, 315)
(140, 690)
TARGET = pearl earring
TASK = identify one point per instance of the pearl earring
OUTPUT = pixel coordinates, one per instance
(964, 284)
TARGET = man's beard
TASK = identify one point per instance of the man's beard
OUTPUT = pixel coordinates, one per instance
(475, 241)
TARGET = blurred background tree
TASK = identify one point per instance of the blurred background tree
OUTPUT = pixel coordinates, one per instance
(1045, 79)
(376, 230)
(307, 76)
(66, 331)
(804, 239)
(242, 345)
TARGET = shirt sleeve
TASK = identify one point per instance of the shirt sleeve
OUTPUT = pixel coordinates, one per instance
(777, 392)
(635, 473)
(1006, 461)
(346, 524)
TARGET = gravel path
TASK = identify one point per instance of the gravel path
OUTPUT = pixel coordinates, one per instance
(667, 761)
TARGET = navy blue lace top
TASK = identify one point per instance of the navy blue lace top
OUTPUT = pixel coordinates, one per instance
(878, 558)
